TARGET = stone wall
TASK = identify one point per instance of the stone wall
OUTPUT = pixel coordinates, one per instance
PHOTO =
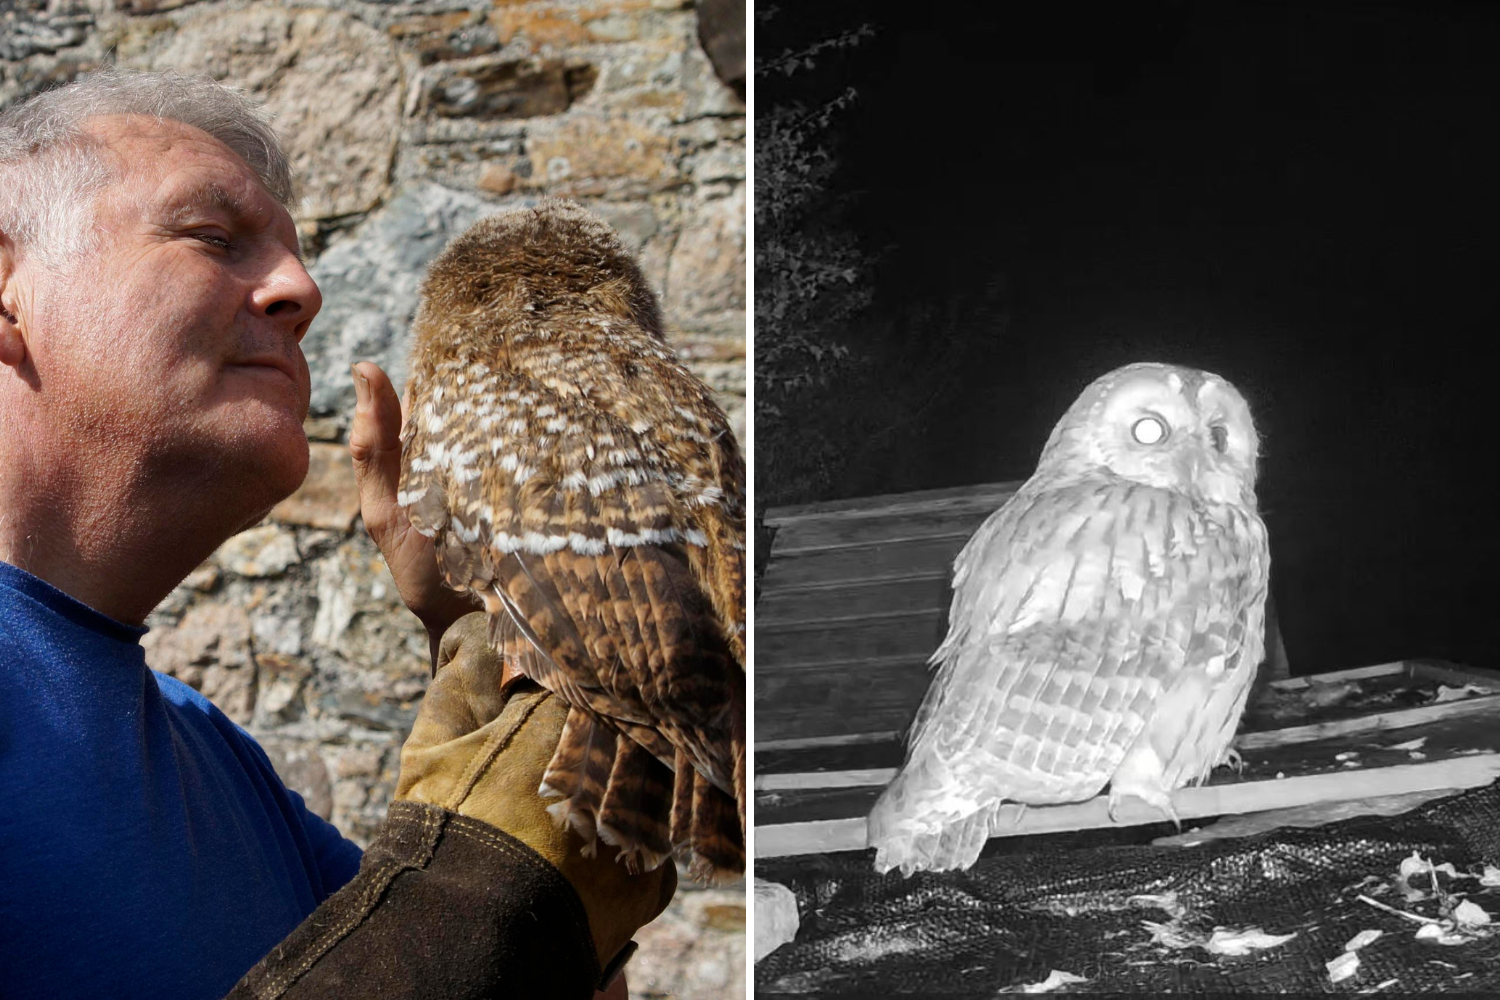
(407, 122)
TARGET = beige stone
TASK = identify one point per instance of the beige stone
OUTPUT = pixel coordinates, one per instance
(694, 949)
(331, 81)
(281, 677)
(328, 497)
(264, 551)
(706, 275)
(209, 650)
(584, 155)
(496, 178)
(302, 769)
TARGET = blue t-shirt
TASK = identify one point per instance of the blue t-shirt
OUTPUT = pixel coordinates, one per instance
(147, 847)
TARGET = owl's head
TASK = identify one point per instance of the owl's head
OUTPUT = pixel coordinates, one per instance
(552, 258)
(1160, 425)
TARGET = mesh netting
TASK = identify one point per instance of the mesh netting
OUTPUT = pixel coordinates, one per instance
(1013, 919)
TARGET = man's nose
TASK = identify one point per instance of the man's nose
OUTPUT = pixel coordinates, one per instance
(287, 294)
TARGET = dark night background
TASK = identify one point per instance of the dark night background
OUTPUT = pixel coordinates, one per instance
(1301, 198)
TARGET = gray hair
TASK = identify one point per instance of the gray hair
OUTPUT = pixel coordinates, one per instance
(49, 162)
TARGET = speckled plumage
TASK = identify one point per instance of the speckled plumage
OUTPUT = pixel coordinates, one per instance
(1106, 622)
(583, 483)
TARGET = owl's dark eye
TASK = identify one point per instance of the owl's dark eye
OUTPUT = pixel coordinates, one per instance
(1220, 435)
(1149, 430)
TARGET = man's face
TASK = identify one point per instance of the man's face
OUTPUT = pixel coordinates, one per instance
(177, 339)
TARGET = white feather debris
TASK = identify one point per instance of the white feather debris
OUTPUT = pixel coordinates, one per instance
(1415, 744)
(1439, 934)
(1418, 865)
(1342, 967)
(1242, 941)
(1491, 876)
(1446, 693)
(1470, 914)
(1363, 938)
(1223, 940)
(1054, 981)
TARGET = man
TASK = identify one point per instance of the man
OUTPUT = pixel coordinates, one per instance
(152, 394)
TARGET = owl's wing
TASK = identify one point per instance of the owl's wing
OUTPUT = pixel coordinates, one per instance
(596, 553)
(1074, 611)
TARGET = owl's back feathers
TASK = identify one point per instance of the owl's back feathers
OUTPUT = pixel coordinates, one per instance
(582, 482)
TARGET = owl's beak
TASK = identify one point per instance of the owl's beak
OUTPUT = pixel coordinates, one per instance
(1190, 463)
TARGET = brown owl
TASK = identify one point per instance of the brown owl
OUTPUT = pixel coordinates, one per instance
(1106, 622)
(585, 486)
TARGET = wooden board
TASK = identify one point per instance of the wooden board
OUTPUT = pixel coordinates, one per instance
(852, 600)
(812, 797)
(838, 699)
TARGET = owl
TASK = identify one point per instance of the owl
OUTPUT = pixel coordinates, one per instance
(578, 480)
(1106, 622)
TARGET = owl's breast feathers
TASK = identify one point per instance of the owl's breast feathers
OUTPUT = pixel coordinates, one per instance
(1082, 617)
(580, 480)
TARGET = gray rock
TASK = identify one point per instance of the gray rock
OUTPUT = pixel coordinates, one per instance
(369, 281)
(332, 82)
(776, 919)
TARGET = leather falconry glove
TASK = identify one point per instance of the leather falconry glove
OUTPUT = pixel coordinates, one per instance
(470, 889)
(479, 747)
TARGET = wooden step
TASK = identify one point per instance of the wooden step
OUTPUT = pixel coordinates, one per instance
(909, 635)
(865, 598)
(923, 557)
(828, 534)
(838, 698)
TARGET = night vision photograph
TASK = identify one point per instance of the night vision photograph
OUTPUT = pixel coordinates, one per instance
(1123, 498)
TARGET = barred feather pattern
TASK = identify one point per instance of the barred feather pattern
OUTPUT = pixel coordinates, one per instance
(584, 484)
(1105, 627)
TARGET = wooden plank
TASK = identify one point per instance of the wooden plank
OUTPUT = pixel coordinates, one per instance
(811, 742)
(850, 756)
(1403, 718)
(950, 498)
(852, 600)
(1359, 764)
(907, 635)
(824, 533)
(836, 699)
(1341, 676)
(799, 771)
(827, 836)
(926, 557)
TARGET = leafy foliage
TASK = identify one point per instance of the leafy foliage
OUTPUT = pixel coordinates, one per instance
(811, 278)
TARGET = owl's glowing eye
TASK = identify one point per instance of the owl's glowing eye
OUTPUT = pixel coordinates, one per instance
(1220, 435)
(1149, 430)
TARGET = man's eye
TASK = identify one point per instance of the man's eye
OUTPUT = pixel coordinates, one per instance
(212, 240)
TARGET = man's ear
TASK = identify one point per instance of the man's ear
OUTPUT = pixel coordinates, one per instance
(12, 341)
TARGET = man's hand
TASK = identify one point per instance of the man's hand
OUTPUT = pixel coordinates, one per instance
(480, 746)
(375, 447)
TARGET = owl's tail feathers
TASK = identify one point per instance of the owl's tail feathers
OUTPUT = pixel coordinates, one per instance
(919, 824)
(635, 815)
(706, 827)
(610, 790)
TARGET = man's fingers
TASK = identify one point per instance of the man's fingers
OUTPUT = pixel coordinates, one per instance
(375, 444)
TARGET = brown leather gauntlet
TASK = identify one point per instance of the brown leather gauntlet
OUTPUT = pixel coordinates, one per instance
(471, 889)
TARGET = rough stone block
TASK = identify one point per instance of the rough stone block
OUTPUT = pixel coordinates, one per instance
(328, 497)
